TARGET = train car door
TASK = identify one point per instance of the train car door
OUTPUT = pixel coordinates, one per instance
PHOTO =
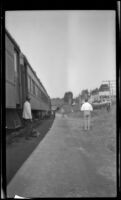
(16, 77)
(24, 82)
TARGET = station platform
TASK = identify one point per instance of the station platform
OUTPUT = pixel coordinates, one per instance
(62, 166)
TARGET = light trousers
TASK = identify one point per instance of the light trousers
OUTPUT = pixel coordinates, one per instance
(87, 119)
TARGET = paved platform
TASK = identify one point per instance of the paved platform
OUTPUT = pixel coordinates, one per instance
(61, 166)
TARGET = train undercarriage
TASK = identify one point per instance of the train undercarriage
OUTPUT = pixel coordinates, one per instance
(14, 117)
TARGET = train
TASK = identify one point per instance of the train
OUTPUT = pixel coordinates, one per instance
(20, 81)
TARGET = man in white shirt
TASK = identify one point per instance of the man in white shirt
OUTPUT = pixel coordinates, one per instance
(27, 116)
(87, 108)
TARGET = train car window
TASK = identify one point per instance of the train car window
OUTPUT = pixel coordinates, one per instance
(44, 98)
(33, 87)
(29, 84)
(39, 93)
(15, 62)
(36, 90)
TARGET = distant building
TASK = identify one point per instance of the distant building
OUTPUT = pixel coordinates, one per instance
(94, 96)
(104, 92)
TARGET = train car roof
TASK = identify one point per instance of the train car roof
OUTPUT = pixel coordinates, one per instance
(12, 39)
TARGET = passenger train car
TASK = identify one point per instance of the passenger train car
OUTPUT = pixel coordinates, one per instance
(21, 80)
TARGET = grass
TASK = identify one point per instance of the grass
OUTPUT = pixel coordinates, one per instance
(100, 141)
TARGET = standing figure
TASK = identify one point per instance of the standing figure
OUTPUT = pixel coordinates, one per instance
(27, 116)
(62, 111)
(87, 108)
(108, 105)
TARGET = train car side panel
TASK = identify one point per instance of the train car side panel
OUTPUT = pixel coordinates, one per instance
(17, 76)
(39, 96)
(10, 82)
(10, 101)
(23, 80)
(34, 90)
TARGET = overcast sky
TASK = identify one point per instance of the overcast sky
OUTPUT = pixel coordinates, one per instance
(69, 50)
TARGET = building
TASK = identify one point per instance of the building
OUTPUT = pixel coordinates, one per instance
(94, 96)
(104, 92)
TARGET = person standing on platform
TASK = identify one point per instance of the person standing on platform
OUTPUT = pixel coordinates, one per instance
(62, 111)
(108, 105)
(27, 117)
(87, 108)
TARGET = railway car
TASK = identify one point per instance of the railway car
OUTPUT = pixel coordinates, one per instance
(21, 80)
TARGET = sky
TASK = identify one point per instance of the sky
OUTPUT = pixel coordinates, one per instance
(69, 50)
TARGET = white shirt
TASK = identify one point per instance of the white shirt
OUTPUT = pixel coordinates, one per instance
(27, 110)
(86, 106)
